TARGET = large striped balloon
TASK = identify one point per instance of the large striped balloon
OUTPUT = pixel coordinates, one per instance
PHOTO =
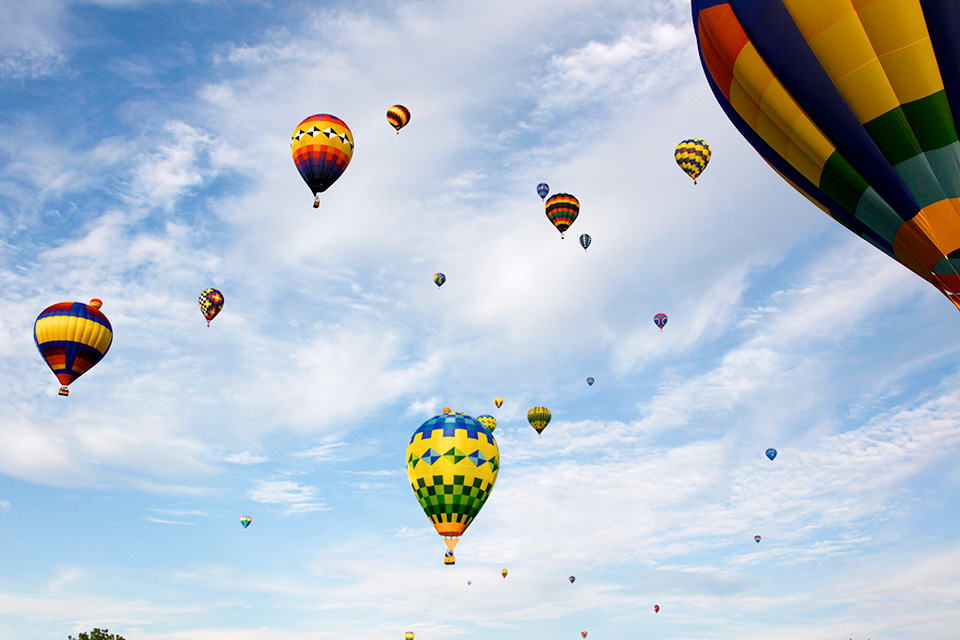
(322, 146)
(72, 337)
(562, 209)
(853, 103)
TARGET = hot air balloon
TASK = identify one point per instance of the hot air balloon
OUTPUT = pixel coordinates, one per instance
(72, 337)
(488, 421)
(656, 608)
(211, 302)
(757, 538)
(692, 156)
(452, 465)
(539, 418)
(408, 635)
(398, 116)
(498, 402)
(439, 279)
(572, 579)
(771, 453)
(504, 573)
(542, 190)
(856, 106)
(583, 634)
(660, 320)
(469, 582)
(590, 381)
(245, 521)
(585, 241)
(322, 146)
(562, 209)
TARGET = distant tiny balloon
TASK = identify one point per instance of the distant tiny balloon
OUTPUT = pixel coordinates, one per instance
(439, 279)
(245, 521)
(772, 453)
(660, 320)
(498, 402)
(398, 116)
(583, 633)
(656, 608)
(542, 190)
(757, 538)
(590, 381)
(504, 573)
(572, 579)
(585, 241)
(488, 421)
(408, 635)
(469, 582)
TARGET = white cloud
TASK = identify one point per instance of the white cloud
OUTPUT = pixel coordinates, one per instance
(297, 498)
(246, 458)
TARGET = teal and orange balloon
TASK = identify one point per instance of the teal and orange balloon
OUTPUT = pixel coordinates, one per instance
(855, 105)
(562, 210)
(322, 146)
(72, 338)
(245, 521)
(398, 116)
(692, 155)
(211, 303)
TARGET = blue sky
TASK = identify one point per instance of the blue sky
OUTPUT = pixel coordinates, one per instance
(144, 156)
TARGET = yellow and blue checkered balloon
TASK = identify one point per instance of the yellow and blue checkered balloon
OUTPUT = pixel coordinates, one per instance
(452, 465)
(692, 155)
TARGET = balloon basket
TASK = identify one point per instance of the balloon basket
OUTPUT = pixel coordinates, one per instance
(64, 391)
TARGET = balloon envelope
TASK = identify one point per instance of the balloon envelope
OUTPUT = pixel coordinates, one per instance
(660, 320)
(504, 573)
(855, 105)
(543, 189)
(245, 521)
(439, 279)
(585, 241)
(72, 338)
(590, 381)
(498, 402)
(408, 635)
(322, 146)
(572, 579)
(211, 302)
(771, 453)
(692, 155)
(562, 209)
(452, 465)
(398, 116)
(488, 421)
(539, 418)
(656, 608)
(757, 539)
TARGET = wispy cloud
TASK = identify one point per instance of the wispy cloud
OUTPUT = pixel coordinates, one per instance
(296, 497)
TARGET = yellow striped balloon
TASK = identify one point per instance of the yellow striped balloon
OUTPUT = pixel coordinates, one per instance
(398, 116)
(692, 155)
(72, 337)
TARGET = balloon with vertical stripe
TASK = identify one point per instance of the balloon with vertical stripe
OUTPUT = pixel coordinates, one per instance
(855, 105)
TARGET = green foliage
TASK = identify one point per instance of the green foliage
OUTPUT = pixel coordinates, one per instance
(97, 634)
